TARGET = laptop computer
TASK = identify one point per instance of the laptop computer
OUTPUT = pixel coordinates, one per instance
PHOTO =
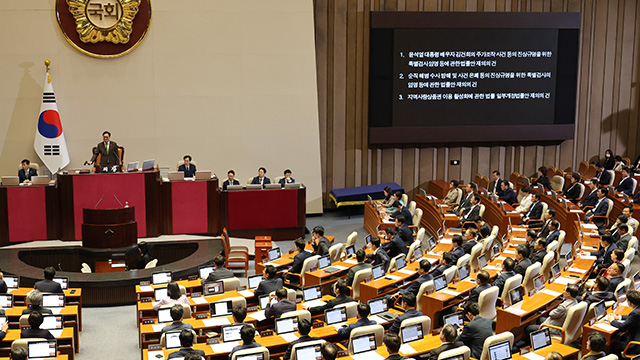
(204, 271)
(203, 175)
(133, 166)
(10, 181)
(516, 295)
(379, 307)
(213, 288)
(231, 333)
(401, 262)
(569, 259)
(176, 175)
(263, 300)
(309, 352)
(148, 164)
(367, 239)
(221, 308)
(538, 282)
(411, 333)
(540, 339)
(555, 271)
(431, 243)
(286, 325)
(335, 315)
(311, 296)
(273, 186)
(63, 281)
(636, 280)
(324, 263)
(464, 272)
(234, 187)
(293, 186)
(274, 254)
(53, 300)
(13, 282)
(164, 315)
(501, 351)
(351, 249)
(600, 309)
(439, 283)
(161, 277)
(254, 281)
(482, 261)
(377, 271)
(363, 343)
(253, 187)
(45, 349)
(172, 339)
(6, 300)
(417, 253)
(621, 294)
(160, 293)
(455, 319)
(40, 180)
(51, 322)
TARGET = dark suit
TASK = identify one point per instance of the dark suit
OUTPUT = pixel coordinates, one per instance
(604, 256)
(433, 355)
(535, 211)
(472, 213)
(404, 212)
(301, 339)
(467, 246)
(614, 281)
(554, 236)
(474, 296)
(396, 357)
(474, 334)
(143, 261)
(604, 178)
(600, 210)
(395, 247)
(538, 256)
(176, 325)
(188, 172)
(405, 233)
(591, 199)
(30, 172)
(625, 186)
(380, 257)
(110, 157)
(496, 187)
(465, 203)
(596, 296)
(623, 242)
(218, 274)
(298, 261)
(395, 327)
(501, 279)
(3, 287)
(276, 310)
(440, 270)
(285, 181)
(573, 192)
(630, 323)
(341, 299)
(322, 246)
(254, 344)
(544, 181)
(509, 196)
(226, 183)
(458, 253)
(267, 286)
(36, 333)
(346, 330)
(354, 269)
(522, 266)
(265, 180)
(48, 286)
(183, 352)
(544, 232)
(415, 285)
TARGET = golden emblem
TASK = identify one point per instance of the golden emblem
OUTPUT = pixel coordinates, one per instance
(104, 20)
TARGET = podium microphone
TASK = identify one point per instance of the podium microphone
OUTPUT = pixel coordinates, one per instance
(94, 206)
(114, 195)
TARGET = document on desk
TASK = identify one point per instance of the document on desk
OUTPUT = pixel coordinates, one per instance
(224, 347)
(515, 310)
(450, 292)
(575, 210)
(147, 288)
(565, 281)
(351, 261)
(406, 349)
(590, 226)
(445, 241)
(313, 303)
(500, 258)
(377, 319)
(289, 337)
(159, 355)
(393, 277)
(407, 271)
(56, 333)
(588, 248)
(510, 252)
(199, 300)
(339, 267)
(579, 271)
(246, 293)
(339, 325)
(158, 327)
(533, 356)
(216, 322)
(493, 267)
(551, 292)
(258, 315)
(369, 355)
(606, 327)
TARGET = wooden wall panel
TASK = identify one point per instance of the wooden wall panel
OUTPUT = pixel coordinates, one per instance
(606, 110)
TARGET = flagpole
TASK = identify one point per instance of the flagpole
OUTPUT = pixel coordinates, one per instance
(47, 63)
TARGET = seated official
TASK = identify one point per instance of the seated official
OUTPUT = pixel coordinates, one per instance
(145, 254)
(379, 256)
(320, 243)
(230, 180)
(304, 328)
(465, 203)
(392, 343)
(271, 282)
(543, 179)
(615, 276)
(624, 237)
(482, 228)
(187, 168)
(424, 276)
(26, 173)
(19, 353)
(401, 210)
(261, 178)
(452, 195)
(508, 195)
(287, 179)
(482, 281)
(496, 182)
(535, 210)
(247, 334)
(395, 246)
(361, 265)
(342, 292)
(476, 331)
(613, 230)
(470, 236)
(600, 209)
(363, 320)
(3, 285)
(48, 285)
(35, 320)
(629, 323)
(473, 212)
(328, 351)
(548, 216)
(173, 296)
(530, 241)
(219, 271)
(186, 343)
(596, 345)
(108, 151)
(404, 231)
(626, 183)
(448, 337)
(177, 313)
(388, 197)
(591, 197)
(446, 261)
(607, 245)
(522, 259)
(397, 196)
(557, 316)
(525, 203)
(409, 307)
(282, 306)
(599, 292)
(631, 221)
(457, 250)
(298, 261)
(35, 299)
(540, 250)
(507, 271)
(573, 191)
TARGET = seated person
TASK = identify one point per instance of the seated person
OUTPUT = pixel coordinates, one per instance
(320, 243)
(304, 328)
(261, 178)
(446, 261)
(554, 233)
(473, 212)
(607, 245)
(247, 334)
(507, 271)
(476, 331)
(540, 250)
(615, 276)
(470, 236)
(392, 343)
(483, 229)
(176, 312)
(530, 241)
(363, 320)
(623, 241)
(193, 355)
(535, 209)
(591, 197)
(271, 282)
(342, 292)
(424, 276)
(328, 351)
(3, 285)
(557, 315)
(173, 296)
(448, 337)
(619, 164)
(26, 173)
(465, 203)
(409, 307)
(230, 180)
(548, 216)
(379, 256)
(388, 199)
(626, 183)
(596, 345)
(395, 246)
(598, 292)
(282, 306)
(187, 168)
(525, 203)
(600, 209)
(397, 196)
(452, 195)
(145, 254)
(186, 343)
(35, 299)
(287, 179)
(457, 251)
(482, 281)
(508, 195)
(403, 231)
(35, 320)
(629, 323)
(543, 179)
(573, 191)
(48, 285)
(219, 271)
(19, 353)
(239, 313)
(522, 259)
(361, 265)
(401, 210)
(631, 221)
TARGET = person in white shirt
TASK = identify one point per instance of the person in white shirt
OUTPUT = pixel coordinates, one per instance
(526, 200)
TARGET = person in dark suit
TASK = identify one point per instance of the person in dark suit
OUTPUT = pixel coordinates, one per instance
(247, 334)
(361, 265)
(604, 177)
(596, 344)
(470, 236)
(401, 210)
(457, 250)
(379, 256)
(409, 307)
(543, 179)
(548, 216)
(448, 337)
(535, 210)
(287, 179)
(615, 276)
(495, 186)
(623, 237)
(48, 285)
(607, 245)
(26, 172)
(446, 261)
(608, 162)
(300, 257)
(403, 231)
(466, 199)
(363, 320)
(522, 260)
(186, 343)
(600, 209)
(476, 331)
(3, 285)
(35, 320)
(145, 254)
(626, 183)
(3, 331)
(540, 251)
(482, 281)
(508, 195)
(392, 342)
(328, 351)
(395, 245)
(108, 151)
(219, 271)
(187, 168)
(599, 292)
(573, 191)
(230, 180)
(261, 178)
(304, 327)
(176, 312)
(530, 239)
(591, 198)
(424, 276)
(629, 323)
(473, 212)
(282, 306)
(35, 299)
(554, 233)
(507, 271)
(342, 292)
(270, 282)
(483, 228)
(320, 243)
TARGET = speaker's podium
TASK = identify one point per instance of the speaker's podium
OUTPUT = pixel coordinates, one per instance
(109, 228)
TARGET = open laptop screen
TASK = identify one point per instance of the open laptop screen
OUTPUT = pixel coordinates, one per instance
(264, 300)
(600, 309)
(540, 339)
(159, 278)
(516, 295)
(538, 282)
(363, 343)
(324, 262)
(63, 281)
(401, 263)
(13, 282)
(336, 315)
(51, 322)
(312, 293)
(213, 288)
(42, 349)
(254, 281)
(164, 315)
(456, 319)
(464, 272)
(351, 249)
(274, 254)
(439, 283)
(482, 261)
(417, 253)
(231, 333)
(311, 352)
(377, 271)
(221, 308)
(172, 339)
(52, 300)
(378, 305)
(160, 293)
(501, 351)
(286, 325)
(6, 300)
(411, 333)
(204, 271)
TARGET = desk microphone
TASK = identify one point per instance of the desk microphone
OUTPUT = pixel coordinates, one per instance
(98, 202)
(114, 195)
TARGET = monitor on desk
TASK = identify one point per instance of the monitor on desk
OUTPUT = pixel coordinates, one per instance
(464, 271)
(501, 351)
(274, 254)
(204, 271)
(172, 339)
(455, 319)
(6, 300)
(234, 187)
(3, 319)
(401, 263)
(600, 309)
(369, 199)
(324, 262)
(621, 294)
(351, 249)
(161, 277)
(293, 186)
(432, 243)
(312, 293)
(273, 186)
(254, 281)
(569, 259)
(377, 271)
(286, 325)
(13, 282)
(423, 192)
(411, 333)
(203, 175)
(263, 300)
(538, 282)
(213, 288)
(51, 322)
(378, 305)
(231, 333)
(63, 281)
(540, 339)
(417, 253)
(160, 293)
(555, 270)
(53, 300)
(221, 308)
(10, 181)
(253, 187)
(148, 164)
(335, 315)
(43, 349)
(176, 175)
(482, 261)
(439, 283)
(309, 352)
(164, 315)
(516, 295)
(363, 343)
(133, 166)
(367, 239)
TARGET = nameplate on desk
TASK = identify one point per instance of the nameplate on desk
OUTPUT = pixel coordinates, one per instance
(146, 300)
(193, 277)
(201, 316)
(148, 321)
(195, 295)
(343, 353)
(318, 324)
(155, 347)
(266, 333)
(242, 288)
(145, 283)
(213, 341)
(252, 309)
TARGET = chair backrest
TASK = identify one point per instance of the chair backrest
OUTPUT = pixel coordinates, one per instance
(463, 260)
(460, 194)
(32, 165)
(629, 254)
(582, 189)
(405, 199)
(476, 251)
(573, 322)
(231, 284)
(260, 350)
(613, 177)
(151, 264)
(309, 263)
(335, 251)
(609, 208)
(486, 243)
(393, 266)
(450, 273)
(23, 343)
(351, 239)
(24, 321)
(557, 183)
(424, 320)
(277, 179)
(495, 339)
(481, 211)
(417, 217)
(462, 350)
(545, 206)
(424, 288)
(358, 278)
(532, 271)
(561, 237)
(240, 301)
(302, 344)
(583, 167)
(624, 284)
(351, 307)
(420, 235)
(378, 330)
(487, 302)
(183, 289)
(86, 269)
(547, 263)
(412, 207)
(163, 341)
(633, 243)
(553, 246)
(627, 268)
(412, 248)
(494, 230)
(250, 180)
(300, 314)
(511, 283)
(634, 181)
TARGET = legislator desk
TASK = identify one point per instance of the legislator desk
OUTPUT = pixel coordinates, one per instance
(373, 219)
(191, 207)
(72, 296)
(28, 213)
(563, 215)
(109, 228)
(605, 328)
(439, 188)
(494, 215)
(435, 214)
(279, 213)
(69, 314)
(287, 257)
(66, 342)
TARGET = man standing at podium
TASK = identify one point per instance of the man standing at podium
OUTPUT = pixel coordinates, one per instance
(108, 151)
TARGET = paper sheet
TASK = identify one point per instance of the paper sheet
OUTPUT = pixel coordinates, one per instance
(492, 267)
(369, 355)
(393, 277)
(510, 252)
(199, 300)
(147, 288)
(216, 322)
(313, 303)
(588, 248)
(246, 293)
(450, 292)
(289, 337)
(223, 347)
(445, 241)
(154, 355)
(339, 325)
(258, 315)
(406, 349)
(158, 327)
(351, 261)
(551, 292)
(565, 281)
(407, 271)
(590, 226)
(533, 356)
(579, 271)
(339, 267)
(377, 319)
(606, 327)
